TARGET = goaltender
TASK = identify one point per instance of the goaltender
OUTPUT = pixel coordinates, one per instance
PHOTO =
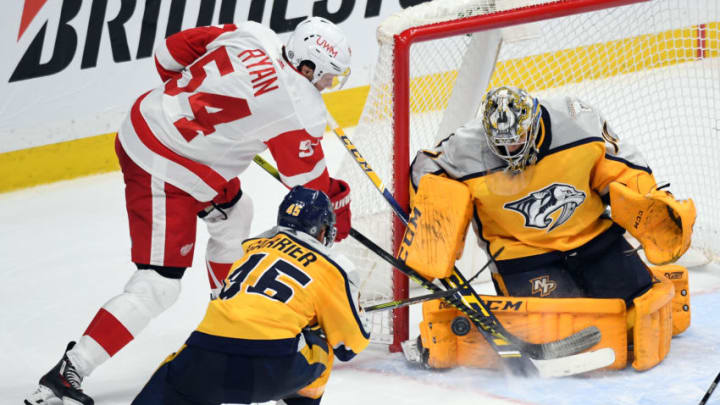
(536, 178)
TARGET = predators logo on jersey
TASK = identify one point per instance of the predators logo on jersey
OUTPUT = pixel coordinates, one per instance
(539, 205)
(542, 286)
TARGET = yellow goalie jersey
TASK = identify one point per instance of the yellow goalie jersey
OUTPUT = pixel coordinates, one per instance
(287, 281)
(556, 204)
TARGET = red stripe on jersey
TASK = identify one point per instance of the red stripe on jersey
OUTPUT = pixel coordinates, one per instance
(165, 74)
(108, 332)
(321, 183)
(217, 272)
(208, 175)
(297, 152)
(138, 201)
(188, 45)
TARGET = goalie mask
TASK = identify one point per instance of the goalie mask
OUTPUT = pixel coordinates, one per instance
(308, 211)
(511, 119)
(322, 43)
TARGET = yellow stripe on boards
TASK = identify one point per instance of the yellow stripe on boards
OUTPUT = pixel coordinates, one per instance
(59, 161)
(598, 61)
(96, 154)
(82, 157)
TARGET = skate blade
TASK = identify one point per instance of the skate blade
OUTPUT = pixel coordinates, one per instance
(70, 401)
(411, 351)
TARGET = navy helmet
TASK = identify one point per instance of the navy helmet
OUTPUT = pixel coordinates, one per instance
(308, 211)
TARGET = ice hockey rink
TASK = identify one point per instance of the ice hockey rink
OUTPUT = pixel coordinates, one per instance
(64, 250)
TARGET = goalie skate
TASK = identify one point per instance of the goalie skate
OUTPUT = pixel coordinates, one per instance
(61, 382)
(414, 352)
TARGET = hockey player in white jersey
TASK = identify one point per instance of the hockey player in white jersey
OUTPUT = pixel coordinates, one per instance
(229, 93)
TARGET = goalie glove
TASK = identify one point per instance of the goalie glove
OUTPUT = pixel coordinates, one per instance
(662, 224)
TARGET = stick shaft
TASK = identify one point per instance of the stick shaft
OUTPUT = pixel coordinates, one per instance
(441, 294)
(368, 170)
(410, 301)
(710, 390)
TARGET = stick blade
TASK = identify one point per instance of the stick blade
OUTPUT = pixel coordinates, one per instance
(573, 344)
(575, 364)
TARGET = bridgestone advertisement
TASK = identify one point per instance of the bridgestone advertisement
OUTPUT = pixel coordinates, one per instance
(73, 67)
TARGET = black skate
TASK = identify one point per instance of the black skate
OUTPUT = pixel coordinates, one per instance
(62, 382)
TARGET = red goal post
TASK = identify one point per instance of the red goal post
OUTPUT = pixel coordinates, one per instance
(405, 89)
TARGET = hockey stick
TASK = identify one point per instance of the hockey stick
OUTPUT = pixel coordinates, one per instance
(710, 390)
(365, 166)
(410, 301)
(517, 362)
(428, 297)
(485, 319)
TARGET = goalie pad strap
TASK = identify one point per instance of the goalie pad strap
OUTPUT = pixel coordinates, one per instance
(678, 276)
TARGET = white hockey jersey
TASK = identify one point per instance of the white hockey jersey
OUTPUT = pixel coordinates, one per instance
(228, 95)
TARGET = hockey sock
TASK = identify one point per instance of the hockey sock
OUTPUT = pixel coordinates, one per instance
(216, 274)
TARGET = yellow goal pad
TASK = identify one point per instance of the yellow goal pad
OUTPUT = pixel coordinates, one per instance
(436, 229)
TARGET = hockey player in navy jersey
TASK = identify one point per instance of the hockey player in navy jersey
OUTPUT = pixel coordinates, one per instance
(229, 93)
(285, 309)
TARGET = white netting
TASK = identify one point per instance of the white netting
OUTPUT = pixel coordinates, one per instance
(652, 68)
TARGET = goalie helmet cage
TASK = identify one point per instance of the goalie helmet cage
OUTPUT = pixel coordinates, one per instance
(651, 68)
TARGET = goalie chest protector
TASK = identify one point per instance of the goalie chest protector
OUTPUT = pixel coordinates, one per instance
(436, 229)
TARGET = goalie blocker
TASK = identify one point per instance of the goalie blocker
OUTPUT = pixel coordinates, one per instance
(434, 239)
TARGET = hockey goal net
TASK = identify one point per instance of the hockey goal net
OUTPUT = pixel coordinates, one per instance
(651, 67)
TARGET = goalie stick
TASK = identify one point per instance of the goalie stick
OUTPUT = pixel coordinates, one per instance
(517, 360)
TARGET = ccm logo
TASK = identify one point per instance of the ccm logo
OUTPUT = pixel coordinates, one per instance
(409, 234)
(676, 275)
(494, 305)
(638, 218)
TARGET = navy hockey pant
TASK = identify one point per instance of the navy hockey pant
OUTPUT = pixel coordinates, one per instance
(605, 267)
(198, 376)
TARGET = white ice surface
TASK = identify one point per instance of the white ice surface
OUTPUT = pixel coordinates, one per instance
(64, 251)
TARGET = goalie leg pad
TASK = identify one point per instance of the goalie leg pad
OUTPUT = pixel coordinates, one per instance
(678, 275)
(537, 320)
(436, 334)
(652, 325)
(435, 235)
